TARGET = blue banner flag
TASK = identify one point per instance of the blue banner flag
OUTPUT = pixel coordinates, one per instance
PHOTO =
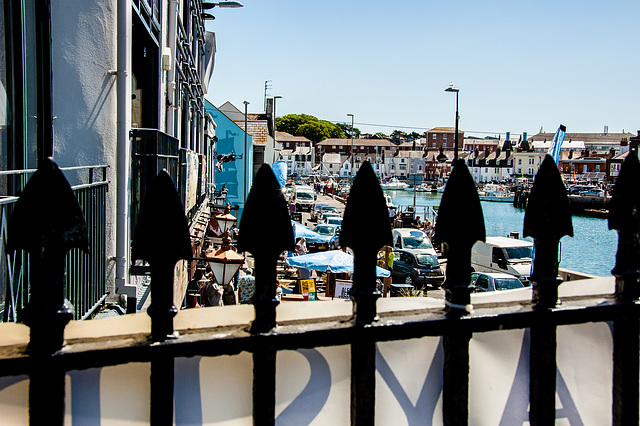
(554, 148)
(280, 170)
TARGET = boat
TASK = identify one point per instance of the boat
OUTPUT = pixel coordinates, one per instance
(394, 184)
(389, 201)
(494, 192)
(440, 189)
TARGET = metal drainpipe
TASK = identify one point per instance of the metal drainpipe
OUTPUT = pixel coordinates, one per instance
(172, 9)
(123, 154)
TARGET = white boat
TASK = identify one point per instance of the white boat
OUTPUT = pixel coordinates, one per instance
(394, 184)
(493, 192)
(440, 189)
(389, 201)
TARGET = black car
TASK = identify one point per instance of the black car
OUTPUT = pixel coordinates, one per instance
(417, 268)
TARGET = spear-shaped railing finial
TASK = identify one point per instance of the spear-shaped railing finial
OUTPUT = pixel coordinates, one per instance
(460, 224)
(365, 229)
(265, 232)
(546, 220)
(47, 222)
(162, 238)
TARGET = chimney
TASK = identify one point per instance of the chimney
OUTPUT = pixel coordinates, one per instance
(524, 136)
(606, 130)
(508, 136)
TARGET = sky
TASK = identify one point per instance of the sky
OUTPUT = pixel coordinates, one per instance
(520, 65)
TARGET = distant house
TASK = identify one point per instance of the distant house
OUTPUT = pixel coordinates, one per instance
(594, 142)
(443, 137)
(363, 149)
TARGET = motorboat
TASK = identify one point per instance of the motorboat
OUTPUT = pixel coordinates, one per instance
(394, 184)
(494, 192)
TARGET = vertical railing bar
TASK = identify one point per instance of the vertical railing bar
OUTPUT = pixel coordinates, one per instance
(264, 386)
(363, 381)
(623, 217)
(546, 220)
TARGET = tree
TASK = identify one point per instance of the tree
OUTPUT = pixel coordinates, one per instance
(347, 129)
(308, 126)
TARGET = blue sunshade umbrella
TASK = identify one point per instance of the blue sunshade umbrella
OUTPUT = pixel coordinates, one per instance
(300, 231)
(332, 260)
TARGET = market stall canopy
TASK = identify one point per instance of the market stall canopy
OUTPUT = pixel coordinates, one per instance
(300, 231)
(335, 261)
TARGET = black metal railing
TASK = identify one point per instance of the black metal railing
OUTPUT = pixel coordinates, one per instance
(152, 151)
(85, 280)
(365, 230)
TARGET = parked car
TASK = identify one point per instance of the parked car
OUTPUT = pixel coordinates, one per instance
(329, 214)
(331, 237)
(315, 211)
(334, 220)
(410, 238)
(493, 281)
(417, 268)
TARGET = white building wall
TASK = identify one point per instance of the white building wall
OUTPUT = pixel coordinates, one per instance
(84, 94)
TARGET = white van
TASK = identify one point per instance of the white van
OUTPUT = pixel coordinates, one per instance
(303, 197)
(411, 238)
(502, 254)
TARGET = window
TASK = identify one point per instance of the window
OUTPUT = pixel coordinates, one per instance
(433, 137)
(403, 167)
(531, 160)
(444, 144)
(519, 161)
(530, 170)
(333, 146)
(444, 136)
(19, 88)
(402, 160)
(433, 145)
(497, 170)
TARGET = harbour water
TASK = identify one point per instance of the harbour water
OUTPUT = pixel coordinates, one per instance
(591, 250)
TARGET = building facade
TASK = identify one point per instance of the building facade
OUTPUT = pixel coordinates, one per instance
(114, 83)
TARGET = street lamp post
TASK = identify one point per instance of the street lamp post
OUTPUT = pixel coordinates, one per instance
(451, 88)
(245, 151)
(351, 171)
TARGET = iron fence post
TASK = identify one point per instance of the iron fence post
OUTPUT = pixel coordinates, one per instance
(162, 238)
(47, 237)
(547, 219)
(624, 218)
(365, 229)
(265, 232)
(460, 204)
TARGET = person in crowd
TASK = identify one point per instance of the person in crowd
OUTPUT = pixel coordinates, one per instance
(417, 223)
(229, 295)
(246, 286)
(211, 294)
(301, 246)
(279, 292)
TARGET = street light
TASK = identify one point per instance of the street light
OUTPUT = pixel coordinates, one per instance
(245, 151)
(225, 220)
(351, 171)
(225, 262)
(451, 88)
(221, 4)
